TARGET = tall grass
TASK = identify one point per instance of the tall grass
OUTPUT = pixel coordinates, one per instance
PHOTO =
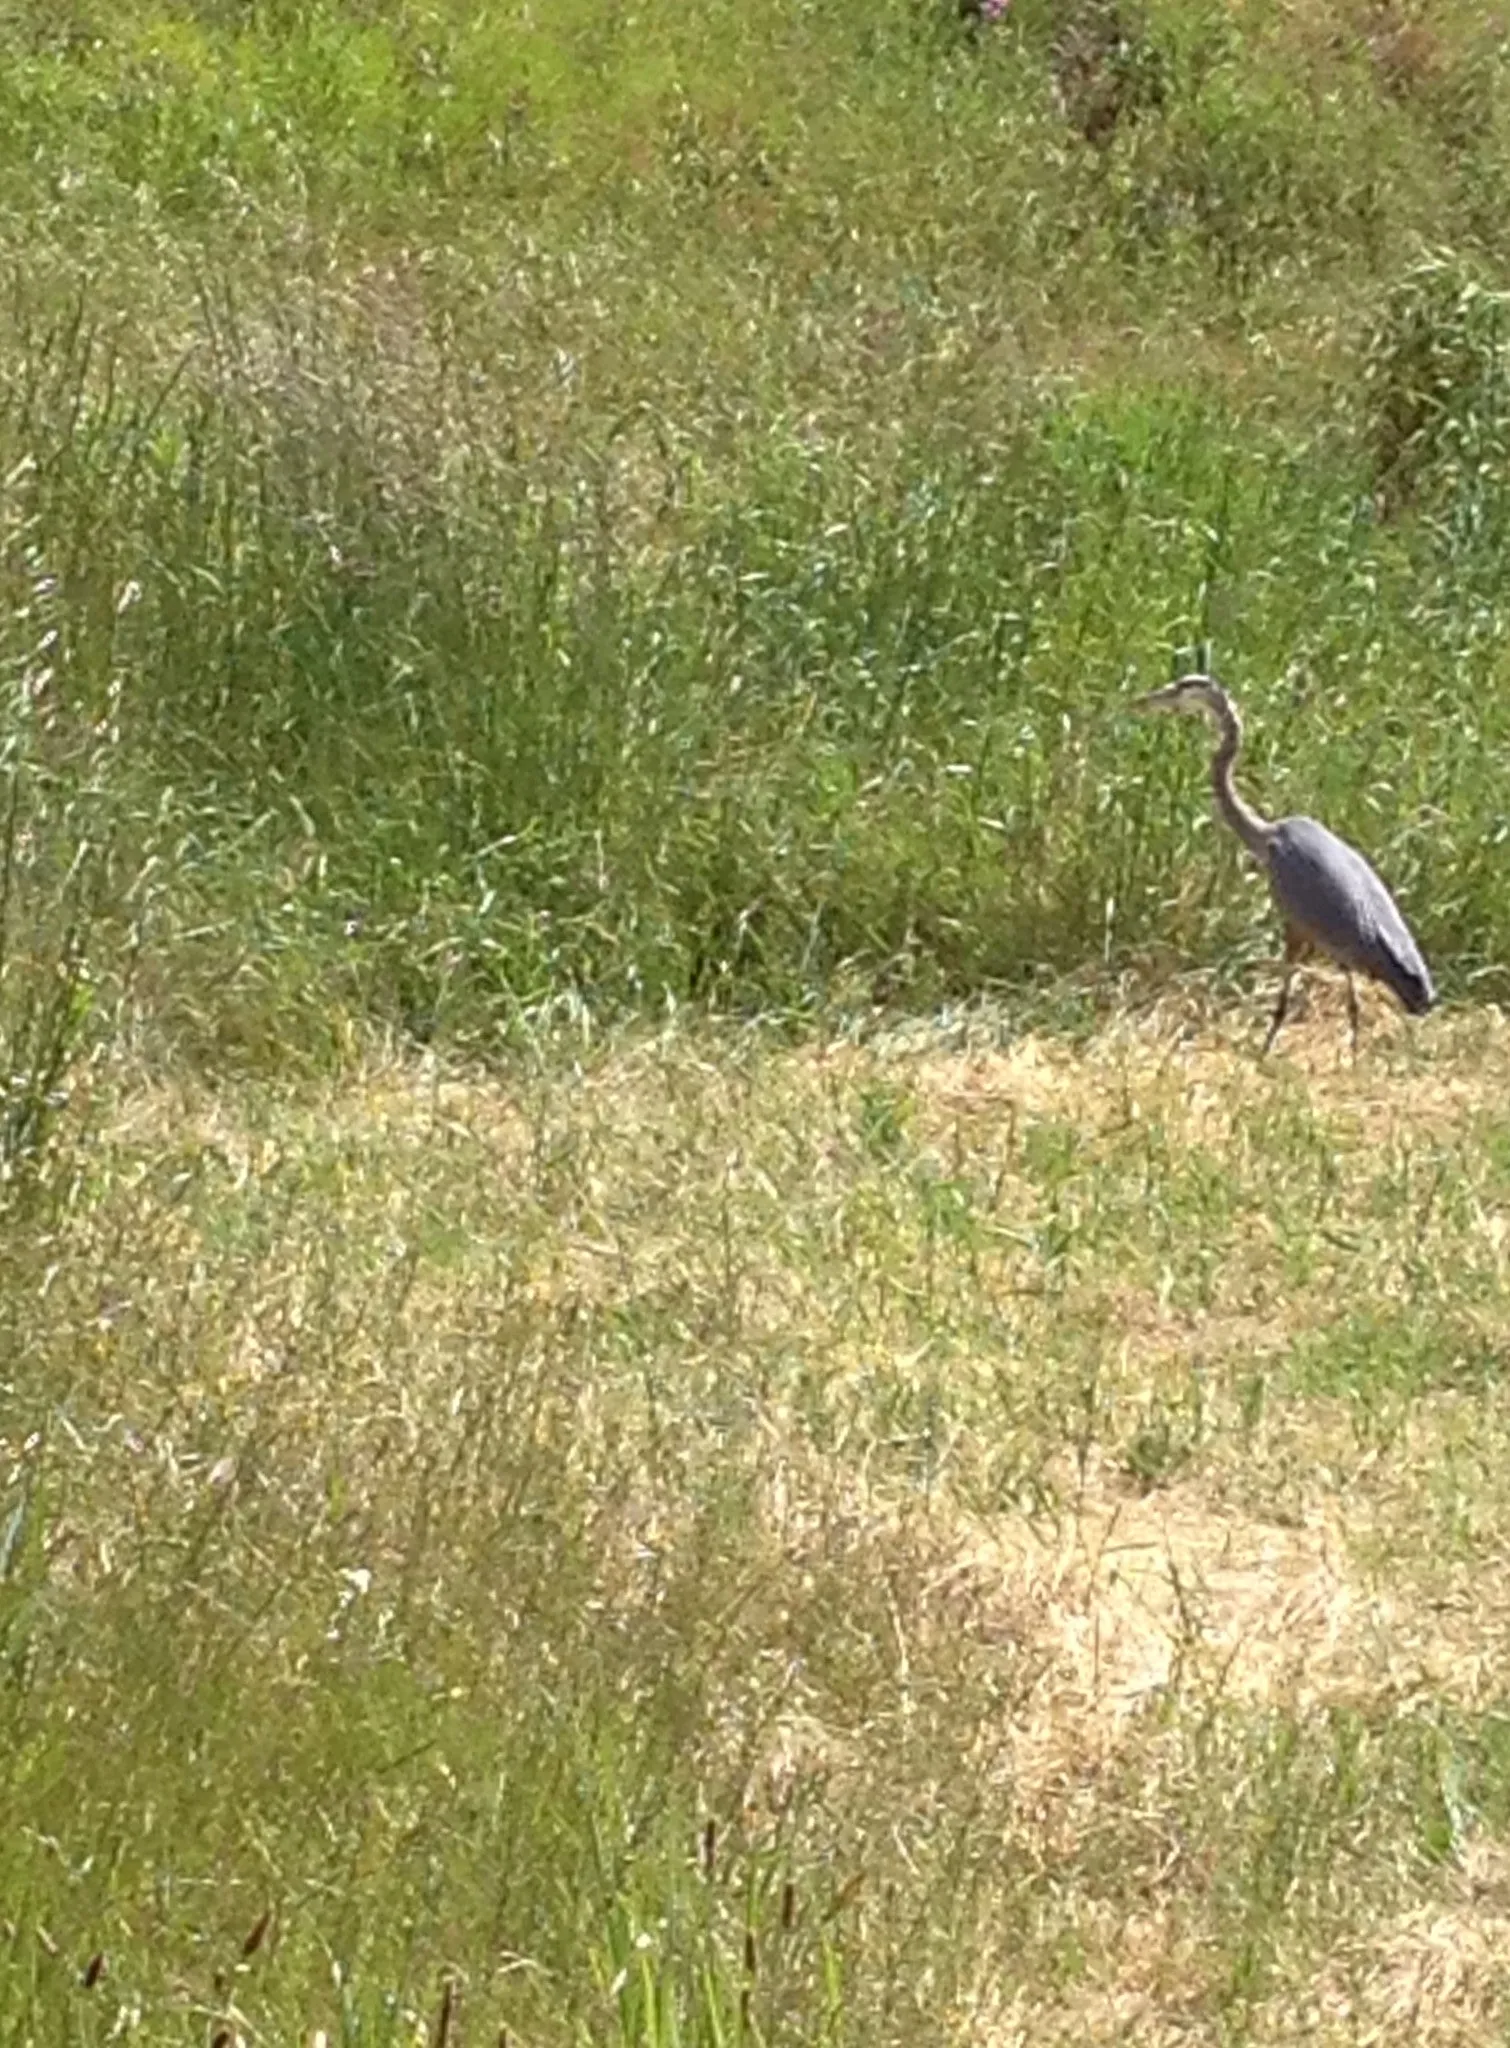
(668, 514)
(466, 735)
(76, 862)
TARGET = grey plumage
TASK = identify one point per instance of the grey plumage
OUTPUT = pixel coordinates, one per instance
(1331, 894)
(1331, 900)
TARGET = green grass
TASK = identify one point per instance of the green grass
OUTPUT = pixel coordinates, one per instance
(587, 1415)
(847, 735)
(697, 555)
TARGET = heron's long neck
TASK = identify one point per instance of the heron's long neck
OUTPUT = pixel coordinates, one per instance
(1255, 832)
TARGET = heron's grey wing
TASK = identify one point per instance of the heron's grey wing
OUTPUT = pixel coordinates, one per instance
(1328, 891)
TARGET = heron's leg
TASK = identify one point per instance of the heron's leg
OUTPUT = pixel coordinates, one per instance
(1279, 1008)
(1295, 950)
(1352, 1009)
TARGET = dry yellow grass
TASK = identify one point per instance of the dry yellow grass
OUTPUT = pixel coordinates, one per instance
(957, 1470)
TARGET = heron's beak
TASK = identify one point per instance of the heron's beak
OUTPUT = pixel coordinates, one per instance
(1156, 700)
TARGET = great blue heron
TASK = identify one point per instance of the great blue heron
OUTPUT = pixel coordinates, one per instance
(1331, 900)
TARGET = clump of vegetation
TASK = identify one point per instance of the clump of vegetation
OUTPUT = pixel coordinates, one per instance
(1106, 73)
(72, 900)
(1435, 373)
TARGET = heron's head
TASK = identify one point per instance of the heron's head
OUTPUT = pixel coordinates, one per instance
(1196, 693)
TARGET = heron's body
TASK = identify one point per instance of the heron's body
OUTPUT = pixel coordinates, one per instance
(1330, 898)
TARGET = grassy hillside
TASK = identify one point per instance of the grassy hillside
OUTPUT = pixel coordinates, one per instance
(571, 1470)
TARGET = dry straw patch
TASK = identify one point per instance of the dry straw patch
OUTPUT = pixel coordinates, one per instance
(1131, 1599)
(1435, 1976)
(1438, 1973)
(828, 1407)
(1176, 1055)
(1171, 1590)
